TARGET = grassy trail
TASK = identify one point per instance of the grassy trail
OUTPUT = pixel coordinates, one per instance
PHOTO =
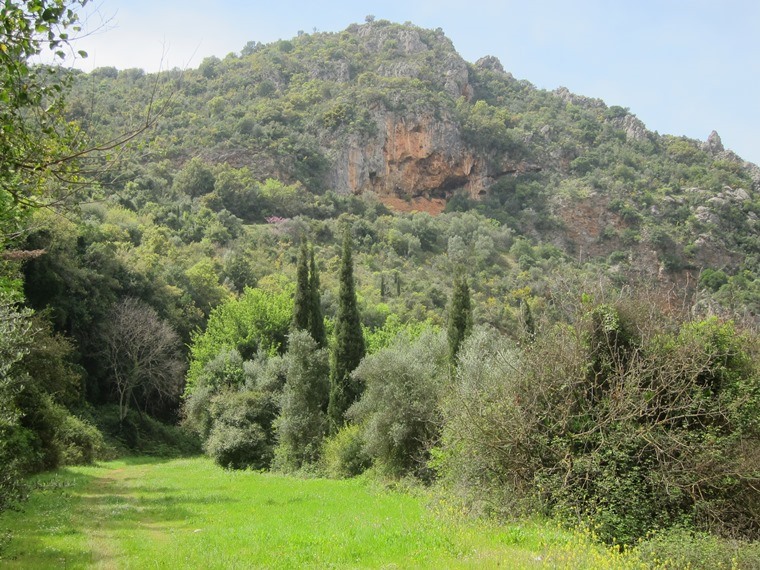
(145, 513)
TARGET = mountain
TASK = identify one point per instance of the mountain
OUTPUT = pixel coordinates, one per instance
(391, 115)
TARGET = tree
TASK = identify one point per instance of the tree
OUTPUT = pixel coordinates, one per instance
(257, 321)
(302, 423)
(44, 158)
(666, 435)
(349, 348)
(303, 297)
(32, 151)
(460, 316)
(33, 140)
(316, 319)
(307, 305)
(195, 179)
(15, 342)
(241, 436)
(399, 410)
(143, 354)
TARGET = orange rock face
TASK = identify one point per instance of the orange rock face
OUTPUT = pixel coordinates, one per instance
(425, 158)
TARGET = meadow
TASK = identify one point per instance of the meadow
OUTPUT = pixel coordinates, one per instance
(189, 513)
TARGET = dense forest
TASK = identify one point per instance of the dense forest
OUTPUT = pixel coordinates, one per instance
(355, 251)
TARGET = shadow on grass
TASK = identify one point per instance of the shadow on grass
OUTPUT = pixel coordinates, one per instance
(76, 518)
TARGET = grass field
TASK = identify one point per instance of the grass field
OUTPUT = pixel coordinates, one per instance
(189, 513)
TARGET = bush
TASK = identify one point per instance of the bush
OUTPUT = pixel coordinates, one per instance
(255, 322)
(480, 405)
(241, 436)
(684, 548)
(197, 412)
(399, 408)
(622, 421)
(76, 440)
(236, 447)
(343, 454)
(141, 434)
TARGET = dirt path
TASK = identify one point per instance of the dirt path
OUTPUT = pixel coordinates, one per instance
(102, 547)
(108, 497)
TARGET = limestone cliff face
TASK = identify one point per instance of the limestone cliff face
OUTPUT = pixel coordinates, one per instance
(411, 156)
(417, 149)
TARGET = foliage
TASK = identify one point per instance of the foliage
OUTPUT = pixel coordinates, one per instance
(302, 299)
(195, 179)
(36, 145)
(302, 423)
(15, 326)
(684, 548)
(460, 316)
(307, 305)
(316, 318)
(343, 454)
(76, 441)
(258, 320)
(241, 435)
(348, 346)
(383, 337)
(37, 431)
(399, 409)
(633, 433)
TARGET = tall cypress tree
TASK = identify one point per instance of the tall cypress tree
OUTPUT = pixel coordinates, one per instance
(460, 316)
(302, 300)
(316, 319)
(349, 348)
(529, 323)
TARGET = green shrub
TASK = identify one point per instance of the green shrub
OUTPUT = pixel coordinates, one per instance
(624, 421)
(235, 447)
(241, 435)
(76, 440)
(399, 408)
(197, 412)
(143, 435)
(343, 454)
(684, 548)
(302, 423)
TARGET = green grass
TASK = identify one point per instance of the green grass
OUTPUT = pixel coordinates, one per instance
(189, 513)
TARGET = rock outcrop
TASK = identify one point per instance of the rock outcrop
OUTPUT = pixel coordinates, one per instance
(410, 156)
(418, 151)
(713, 145)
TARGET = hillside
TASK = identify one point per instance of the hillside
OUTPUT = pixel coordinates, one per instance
(375, 128)
(391, 112)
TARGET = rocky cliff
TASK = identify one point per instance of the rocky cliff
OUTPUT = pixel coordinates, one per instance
(411, 156)
(416, 149)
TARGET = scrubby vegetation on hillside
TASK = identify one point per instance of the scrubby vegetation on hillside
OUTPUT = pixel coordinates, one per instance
(599, 286)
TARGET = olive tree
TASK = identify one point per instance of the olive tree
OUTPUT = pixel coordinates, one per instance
(399, 409)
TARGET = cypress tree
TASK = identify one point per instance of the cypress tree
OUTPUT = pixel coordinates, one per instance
(460, 316)
(302, 300)
(528, 323)
(348, 349)
(316, 319)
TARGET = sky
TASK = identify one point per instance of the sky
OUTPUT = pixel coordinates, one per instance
(684, 67)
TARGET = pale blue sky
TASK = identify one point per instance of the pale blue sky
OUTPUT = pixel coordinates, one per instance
(684, 67)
